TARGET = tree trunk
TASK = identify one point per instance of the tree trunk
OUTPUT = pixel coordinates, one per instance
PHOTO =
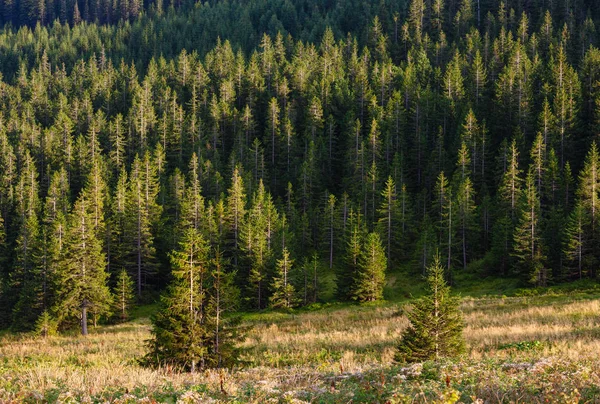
(84, 330)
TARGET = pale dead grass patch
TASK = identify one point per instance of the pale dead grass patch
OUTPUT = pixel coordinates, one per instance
(297, 350)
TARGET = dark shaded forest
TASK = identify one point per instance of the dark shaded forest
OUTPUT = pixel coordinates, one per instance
(307, 159)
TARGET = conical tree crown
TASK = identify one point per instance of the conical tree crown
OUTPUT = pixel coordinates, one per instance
(436, 323)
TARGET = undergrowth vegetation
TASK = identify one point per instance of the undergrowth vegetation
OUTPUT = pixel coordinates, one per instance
(519, 349)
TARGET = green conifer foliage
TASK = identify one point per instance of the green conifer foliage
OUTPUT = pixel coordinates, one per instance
(81, 274)
(124, 294)
(180, 333)
(283, 290)
(436, 323)
(46, 325)
(372, 263)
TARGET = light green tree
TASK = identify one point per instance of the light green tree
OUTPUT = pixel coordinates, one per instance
(372, 264)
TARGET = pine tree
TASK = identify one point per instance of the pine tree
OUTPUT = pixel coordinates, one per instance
(46, 325)
(478, 75)
(465, 205)
(26, 283)
(283, 291)
(193, 206)
(256, 234)
(310, 279)
(81, 276)
(389, 215)
(331, 226)
(180, 333)
(436, 323)
(444, 209)
(538, 156)
(236, 213)
(465, 215)
(124, 294)
(141, 215)
(527, 239)
(223, 297)
(372, 264)
(576, 248)
(347, 273)
(588, 196)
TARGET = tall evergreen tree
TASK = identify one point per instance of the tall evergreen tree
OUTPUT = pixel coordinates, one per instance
(528, 247)
(389, 216)
(124, 294)
(223, 297)
(180, 333)
(370, 278)
(81, 278)
(283, 291)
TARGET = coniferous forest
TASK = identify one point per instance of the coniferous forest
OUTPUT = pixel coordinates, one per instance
(274, 154)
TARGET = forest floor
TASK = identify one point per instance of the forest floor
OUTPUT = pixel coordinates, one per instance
(519, 349)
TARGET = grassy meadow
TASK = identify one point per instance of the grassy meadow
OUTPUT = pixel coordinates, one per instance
(520, 349)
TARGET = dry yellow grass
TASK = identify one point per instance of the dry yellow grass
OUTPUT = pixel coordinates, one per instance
(297, 351)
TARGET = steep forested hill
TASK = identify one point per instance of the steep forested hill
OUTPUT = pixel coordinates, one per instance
(315, 145)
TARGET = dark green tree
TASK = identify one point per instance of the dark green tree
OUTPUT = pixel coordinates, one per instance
(81, 275)
(180, 335)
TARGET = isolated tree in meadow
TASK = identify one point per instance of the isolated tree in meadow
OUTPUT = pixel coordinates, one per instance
(436, 323)
(372, 264)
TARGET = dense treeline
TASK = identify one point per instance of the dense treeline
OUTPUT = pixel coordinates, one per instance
(67, 32)
(274, 171)
(165, 28)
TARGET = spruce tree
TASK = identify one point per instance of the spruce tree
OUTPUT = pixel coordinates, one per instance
(346, 274)
(390, 214)
(283, 291)
(436, 323)
(223, 297)
(124, 294)
(180, 333)
(46, 325)
(588, 196)
(576, 246)
(236, 213)
(372, 264)
(527, 240)
(81, 275)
